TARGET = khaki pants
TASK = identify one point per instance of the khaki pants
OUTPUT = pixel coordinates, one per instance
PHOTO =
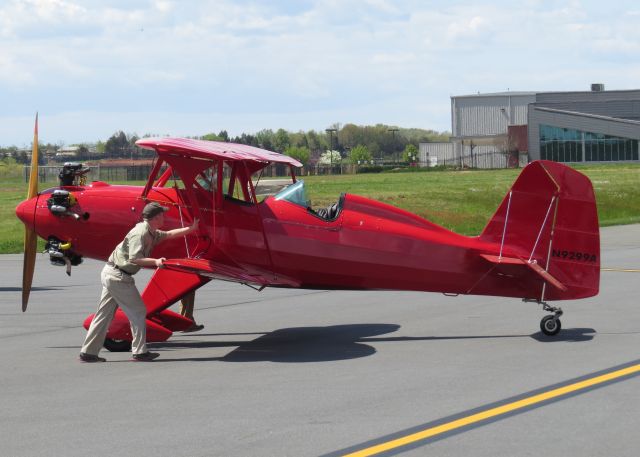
(186, 305)
(118, 289)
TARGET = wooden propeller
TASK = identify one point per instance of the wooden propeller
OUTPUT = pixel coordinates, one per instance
(30, 237)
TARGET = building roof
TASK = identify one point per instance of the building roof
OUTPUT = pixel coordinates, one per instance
(592, 116)
(499, 94)
(603, 93)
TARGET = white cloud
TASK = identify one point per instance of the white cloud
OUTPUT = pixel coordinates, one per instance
(55, 10)
(14, 73)
(164, 6)
(394, 58)
(467, 28)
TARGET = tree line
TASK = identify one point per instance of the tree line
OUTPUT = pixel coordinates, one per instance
(338, 144)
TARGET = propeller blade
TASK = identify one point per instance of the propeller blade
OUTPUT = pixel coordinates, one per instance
(28, 264)
(30, 236)
(33, 175)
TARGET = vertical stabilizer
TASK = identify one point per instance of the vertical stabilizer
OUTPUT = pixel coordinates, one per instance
(549, 216)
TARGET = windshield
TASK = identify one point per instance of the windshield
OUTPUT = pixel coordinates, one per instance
(208, 179)
(294, 193)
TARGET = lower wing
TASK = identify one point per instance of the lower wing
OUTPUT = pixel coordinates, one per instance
(225, 272)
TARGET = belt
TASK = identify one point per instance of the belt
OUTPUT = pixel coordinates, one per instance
(120, 269)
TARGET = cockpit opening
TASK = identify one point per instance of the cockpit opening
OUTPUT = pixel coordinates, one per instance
(297, 194)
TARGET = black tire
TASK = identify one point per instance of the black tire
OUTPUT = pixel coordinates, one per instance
(117, 345)
(550, 325)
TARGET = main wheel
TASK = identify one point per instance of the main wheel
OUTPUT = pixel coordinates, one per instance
(117, 345)
(550, 325)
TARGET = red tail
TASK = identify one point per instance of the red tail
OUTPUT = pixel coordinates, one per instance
(550, 217)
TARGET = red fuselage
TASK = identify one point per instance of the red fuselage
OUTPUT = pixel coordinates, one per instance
(370, 245)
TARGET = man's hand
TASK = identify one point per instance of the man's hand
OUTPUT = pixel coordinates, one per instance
(175, 233)
(160, 262)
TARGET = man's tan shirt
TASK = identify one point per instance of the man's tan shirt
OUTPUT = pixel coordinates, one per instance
(138, 244)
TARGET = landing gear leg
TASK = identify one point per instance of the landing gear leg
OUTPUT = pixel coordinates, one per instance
(551, 325)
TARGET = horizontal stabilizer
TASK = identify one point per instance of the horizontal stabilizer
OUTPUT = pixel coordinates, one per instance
(544, 274)
(533, 266)
(502, 260)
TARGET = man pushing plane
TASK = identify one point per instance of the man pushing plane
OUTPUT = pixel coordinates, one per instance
(118, 286)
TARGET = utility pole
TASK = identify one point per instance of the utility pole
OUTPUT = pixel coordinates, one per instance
(330, 132)
(393, 131)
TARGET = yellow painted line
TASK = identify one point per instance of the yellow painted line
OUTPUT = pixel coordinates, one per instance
(493, 412)
(626, 270)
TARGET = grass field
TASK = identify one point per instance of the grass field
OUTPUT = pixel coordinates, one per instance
(462, 201)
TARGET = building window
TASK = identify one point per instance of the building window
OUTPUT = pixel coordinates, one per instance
(560, 145)
(568, 145)
(605, 148)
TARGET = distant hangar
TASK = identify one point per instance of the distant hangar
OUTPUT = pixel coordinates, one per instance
(508, 129)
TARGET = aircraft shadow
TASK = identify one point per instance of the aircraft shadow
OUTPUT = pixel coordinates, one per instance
(565, 335)
(295, 345)
(323, 344)
(19, 289)
(338, 342)
(571, 335)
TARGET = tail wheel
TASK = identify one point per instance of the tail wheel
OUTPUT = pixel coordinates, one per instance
(550, 325)
(117, 345)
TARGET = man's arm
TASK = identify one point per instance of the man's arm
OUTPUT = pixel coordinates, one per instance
(149, 262)
(175, 233)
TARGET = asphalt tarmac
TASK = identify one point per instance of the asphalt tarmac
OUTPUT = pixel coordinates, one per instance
(307, 373)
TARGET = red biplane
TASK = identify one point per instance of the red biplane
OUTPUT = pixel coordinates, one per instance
(542, 244)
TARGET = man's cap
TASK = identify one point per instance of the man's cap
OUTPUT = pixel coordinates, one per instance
(152, 209)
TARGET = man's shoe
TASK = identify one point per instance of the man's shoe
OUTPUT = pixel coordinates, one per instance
(90, 358)
(194, 328)
(145, 356)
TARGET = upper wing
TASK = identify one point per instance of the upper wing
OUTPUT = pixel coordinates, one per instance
(226, 272)
(214, 149)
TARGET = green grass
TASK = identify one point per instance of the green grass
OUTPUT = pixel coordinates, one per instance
(12, 191)
(464, 201)
(460, 201)
(617, 190)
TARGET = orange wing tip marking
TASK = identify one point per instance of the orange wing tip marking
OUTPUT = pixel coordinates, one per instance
(533, 265)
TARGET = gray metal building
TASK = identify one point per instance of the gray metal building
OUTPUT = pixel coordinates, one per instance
(434, 154)
(479, 126)
(586, 126)
(595, 126)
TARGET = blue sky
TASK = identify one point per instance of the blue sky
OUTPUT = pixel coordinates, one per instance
(166, 67)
